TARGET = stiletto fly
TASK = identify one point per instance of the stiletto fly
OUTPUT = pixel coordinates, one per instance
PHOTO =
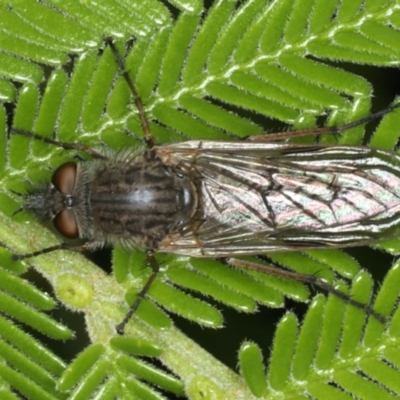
(224, 199)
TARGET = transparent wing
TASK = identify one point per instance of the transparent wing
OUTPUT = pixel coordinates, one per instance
(265, 197)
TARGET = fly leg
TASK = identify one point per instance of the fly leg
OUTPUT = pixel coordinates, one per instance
(88, 246)
(155, 267)
(309, 279)
(138, 101)
(150, 143)
(326, 130)
(67, 146)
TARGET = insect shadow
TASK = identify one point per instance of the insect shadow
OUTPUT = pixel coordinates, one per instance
(222, 199)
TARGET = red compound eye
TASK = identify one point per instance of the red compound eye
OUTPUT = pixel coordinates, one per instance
(65, 223)
(64, 178)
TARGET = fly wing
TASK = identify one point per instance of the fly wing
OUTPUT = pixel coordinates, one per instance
(265, 197)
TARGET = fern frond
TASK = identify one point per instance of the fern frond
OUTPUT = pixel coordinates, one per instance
(335, 352)
(27, 365)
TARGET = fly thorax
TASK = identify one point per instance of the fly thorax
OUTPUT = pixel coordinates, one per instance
(136, 203)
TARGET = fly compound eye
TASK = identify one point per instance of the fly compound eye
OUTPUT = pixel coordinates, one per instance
(65, 223)
(64, 178)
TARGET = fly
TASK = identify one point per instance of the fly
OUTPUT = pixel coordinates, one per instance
(204, 198)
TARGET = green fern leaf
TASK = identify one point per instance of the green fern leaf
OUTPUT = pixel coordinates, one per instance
(333, 353)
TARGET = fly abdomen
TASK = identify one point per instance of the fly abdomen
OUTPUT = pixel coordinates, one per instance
(137, 203)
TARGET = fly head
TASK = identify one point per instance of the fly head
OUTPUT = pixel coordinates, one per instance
(63, 201)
